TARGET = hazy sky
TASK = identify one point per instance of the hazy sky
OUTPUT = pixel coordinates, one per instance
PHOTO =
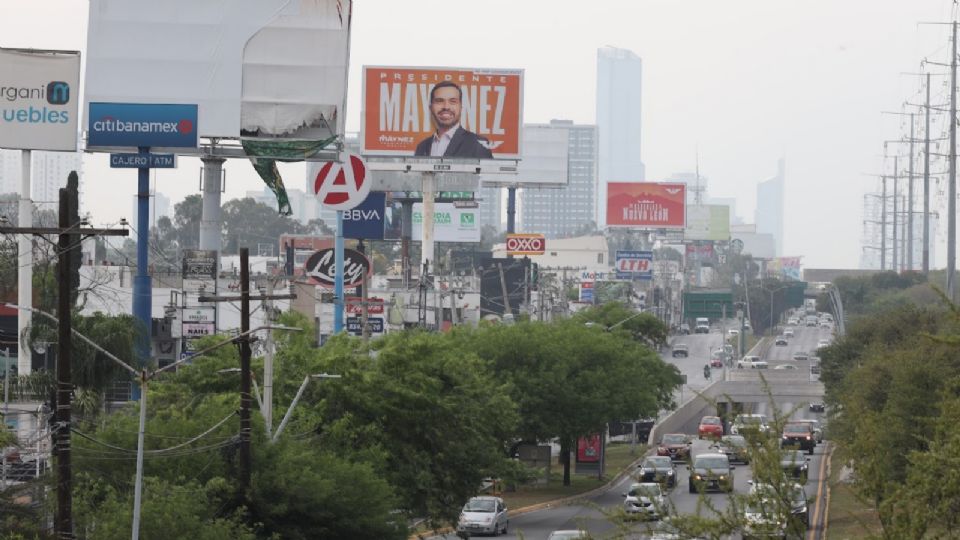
(745, 81)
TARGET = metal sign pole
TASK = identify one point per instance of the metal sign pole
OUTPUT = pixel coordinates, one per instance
(428, 188)
(338, 276)
(141, 285)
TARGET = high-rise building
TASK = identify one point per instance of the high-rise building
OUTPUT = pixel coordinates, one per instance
(159, 206)
(769, 212)
(490, 209)
(49, 171)
(557, 213)
(619, 78)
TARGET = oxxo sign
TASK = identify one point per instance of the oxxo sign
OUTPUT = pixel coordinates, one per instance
(342, 187)
(526, 244)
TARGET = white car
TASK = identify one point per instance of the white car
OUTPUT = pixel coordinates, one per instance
(484, 515)
(733, 332)
(788, 332)
(785, 367)
(644, 499)
(823, 343)
(752, 362)
(749, 421)
(568, 534)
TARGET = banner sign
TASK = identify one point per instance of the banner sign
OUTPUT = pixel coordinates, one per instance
(589, 449)
(646, 205)
(142, 124)
(634, 264)
(143, 161)
(586, 292)
(355, 305)
(708, 222)
(39, 92)
(699, 252)
(199, 264)
(195, 330)
(526, 244)
(450, 224)
(367, 219)
(402, 111)
(785, 267)
(199, 314)
(355, 325)
(320, 266)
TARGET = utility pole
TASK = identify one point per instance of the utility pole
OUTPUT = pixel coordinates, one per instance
(910, 203)
(926, 185)
(896, 266)
(68, 247)
(245, 374)
(883, 224)
(952, 196)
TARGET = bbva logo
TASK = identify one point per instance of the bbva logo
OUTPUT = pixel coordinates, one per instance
(58, 93)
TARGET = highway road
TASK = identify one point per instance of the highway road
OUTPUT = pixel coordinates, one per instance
(791, 391)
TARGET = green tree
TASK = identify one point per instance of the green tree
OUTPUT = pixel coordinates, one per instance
(186, 220)
(561, 373)
(643, 327)
(426, 411)
(247, 222)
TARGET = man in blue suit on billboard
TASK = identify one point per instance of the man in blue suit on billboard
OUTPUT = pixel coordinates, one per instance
(450, 139)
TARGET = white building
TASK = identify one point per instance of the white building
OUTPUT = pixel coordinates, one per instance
(559, 212)
(583, 253)
(49, 171)
(619, 78)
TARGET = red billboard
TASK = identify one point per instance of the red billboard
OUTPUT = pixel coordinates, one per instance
(646, 205)
(589, 449)
(463, 113)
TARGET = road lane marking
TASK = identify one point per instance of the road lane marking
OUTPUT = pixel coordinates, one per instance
(821, 476)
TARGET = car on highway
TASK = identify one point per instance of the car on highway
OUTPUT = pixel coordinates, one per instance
(791, 495)
(644, 500)
(815, 367)
(823, 343)
(798, 435)
(781, 341)
(764, 518)
(716, 360)
(685, 329)
(711, 471)
(801, 356)
(674, 445)
(658, 469)
(746, 325)
(733, 332)
(735, 447)
(711, 427)
(793, 321)
(794, 464)
(680, 349)
(752, 362)
(788, 332)
(568, 534)
(786, 367)
(817, 406)
(815, 426)
(483, 515)
(743, 423)
(812, 320)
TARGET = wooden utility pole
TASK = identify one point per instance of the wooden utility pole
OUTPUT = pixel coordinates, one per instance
(245, 374)
(68, 245)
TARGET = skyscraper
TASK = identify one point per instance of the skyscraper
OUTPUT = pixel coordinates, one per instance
(769, 212)
(49, 172)
(619, 78)
(559, 212)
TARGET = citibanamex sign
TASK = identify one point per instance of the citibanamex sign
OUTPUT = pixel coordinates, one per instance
(342, 186)
(526, 244)
(320, 266)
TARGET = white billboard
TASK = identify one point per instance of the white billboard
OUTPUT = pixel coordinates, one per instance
(546, 149)
(450, 224)
(270, 68)
(39, 92)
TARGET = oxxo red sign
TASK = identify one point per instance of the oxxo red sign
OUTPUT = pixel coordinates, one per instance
(355, 305)
(646, 205)
(526, 244)
(342, 187)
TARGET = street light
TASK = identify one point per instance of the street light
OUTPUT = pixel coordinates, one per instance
(771, 291)
(303, 386)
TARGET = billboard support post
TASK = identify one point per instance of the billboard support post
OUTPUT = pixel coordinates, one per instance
(511, 209)
(406, 233)
(338, 276)
(141, 286)
(428, 187)
(24, 266)
(210, 218)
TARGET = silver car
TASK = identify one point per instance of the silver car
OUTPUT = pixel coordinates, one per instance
(483, 515)
(644, 500)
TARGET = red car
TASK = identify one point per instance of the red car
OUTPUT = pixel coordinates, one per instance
(710, 427)
(675, 445)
